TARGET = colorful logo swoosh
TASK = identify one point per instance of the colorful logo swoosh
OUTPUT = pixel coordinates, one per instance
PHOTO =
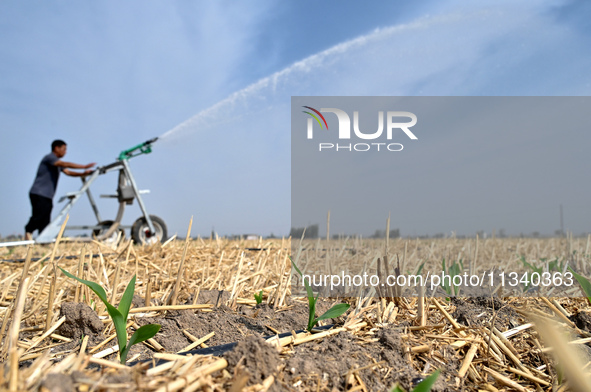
(316, 118)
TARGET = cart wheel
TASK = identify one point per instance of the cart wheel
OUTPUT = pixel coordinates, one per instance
(102, 234)
(140, 231)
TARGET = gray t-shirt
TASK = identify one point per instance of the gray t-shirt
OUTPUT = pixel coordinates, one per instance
(45, 183)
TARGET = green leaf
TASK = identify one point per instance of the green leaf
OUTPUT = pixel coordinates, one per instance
(98, 290)
(420, 268)
(142, 333)
(120, 326)
(295, 266)
(125, 303)
(397, 388)
(426, 384)
(258, 297)
(333, 312)
(311, 299)
(584, 282)
(118, 320)
(308, 288)
(312, 311)
(530, 266)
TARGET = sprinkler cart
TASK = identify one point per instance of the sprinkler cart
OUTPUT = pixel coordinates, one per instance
(146, 229)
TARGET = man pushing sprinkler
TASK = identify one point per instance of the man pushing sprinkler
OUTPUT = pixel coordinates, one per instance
(45, 184)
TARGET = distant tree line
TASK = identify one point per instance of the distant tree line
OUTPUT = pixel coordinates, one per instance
(310, 232)
(394, 233)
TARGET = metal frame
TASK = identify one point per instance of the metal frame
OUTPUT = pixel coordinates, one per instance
(50, 233)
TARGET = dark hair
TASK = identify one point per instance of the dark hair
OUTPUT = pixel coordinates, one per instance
(57, 143)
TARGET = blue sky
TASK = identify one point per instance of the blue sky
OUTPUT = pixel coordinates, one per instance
(105, 76)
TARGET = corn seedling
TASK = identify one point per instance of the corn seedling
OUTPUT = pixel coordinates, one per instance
(584, 283)
(423, 386)
(333, 312)
(453, 270)
(259, 297)
(527, 276)
(529, 266)
(119, 316)
(420, 270)
(554, 265)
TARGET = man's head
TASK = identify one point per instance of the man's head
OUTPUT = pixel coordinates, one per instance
(58, 147)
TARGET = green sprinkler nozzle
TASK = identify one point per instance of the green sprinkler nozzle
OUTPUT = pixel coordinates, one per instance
(143, 148)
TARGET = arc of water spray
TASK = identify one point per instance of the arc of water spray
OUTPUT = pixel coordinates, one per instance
(306, 65)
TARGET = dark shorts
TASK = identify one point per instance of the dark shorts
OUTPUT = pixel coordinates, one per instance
(41, 215)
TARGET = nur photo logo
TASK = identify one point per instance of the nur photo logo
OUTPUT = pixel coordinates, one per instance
(396, 121)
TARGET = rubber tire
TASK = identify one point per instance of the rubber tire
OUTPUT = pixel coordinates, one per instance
(140, 227)
(101, 232)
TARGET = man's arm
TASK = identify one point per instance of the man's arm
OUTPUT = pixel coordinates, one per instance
(71, 165)
(76, 174)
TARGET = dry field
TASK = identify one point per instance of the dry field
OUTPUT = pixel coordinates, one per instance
(56, 334)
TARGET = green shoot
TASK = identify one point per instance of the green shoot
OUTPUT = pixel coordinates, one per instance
(259, 297)
(555, 265)
(119, 316)
(333, 312)
(420, 270)
(453, 270)
(533, 269)
(423, 386)
(584, 282)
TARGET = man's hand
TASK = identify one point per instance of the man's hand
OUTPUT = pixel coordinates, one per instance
(89, 165)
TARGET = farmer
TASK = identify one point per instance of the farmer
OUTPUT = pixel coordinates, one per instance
(43, 189)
